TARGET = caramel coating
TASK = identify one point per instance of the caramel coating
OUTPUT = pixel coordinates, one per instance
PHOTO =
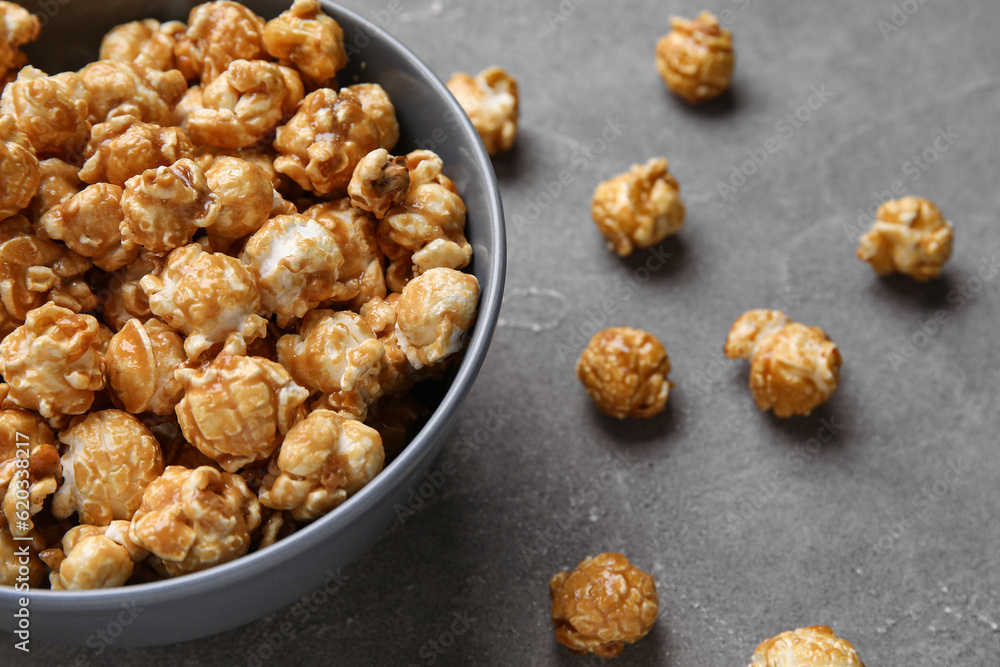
(124, 147)
(324, 459)
(96, 557)
(52, 363)
(110, 459)
(18, 168)
(218, 33)
(335, 353)
(603, 604)
(639, 208)
(58, 182)
(324, 141)
(89, 223)
(695, 58)
(378, 106)
(147, 42)
(307, 39)
(397, 376)
(120, 88)
(207, 296)
(295, 260)
(236, 409)
(52, 111)
(433, 314)
(909, 236)
(243, 105)
(191, 520)
(379, 183)
(625, 371)
(491, 100)
(17, 28)
(428, 229)
(246, 196)
(793, 368)
(141, 360)
(815, 646)
(28, 463)
(164, 207)
(361, 277)
(13, 570)
(124, 298)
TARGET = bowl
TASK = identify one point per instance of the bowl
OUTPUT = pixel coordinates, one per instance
(259, 583)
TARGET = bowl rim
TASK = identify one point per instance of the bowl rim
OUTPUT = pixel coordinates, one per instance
(286, 549)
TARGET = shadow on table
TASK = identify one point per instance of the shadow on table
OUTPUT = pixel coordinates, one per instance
(650, 650)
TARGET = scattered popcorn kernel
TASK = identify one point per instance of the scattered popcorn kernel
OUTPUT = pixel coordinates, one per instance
(218, 33)
(324, 459)
(433, 314)
(58, 182)
(639, 208)
(13, 569)
(52, 111)
(124, 147)
(36, 471)
(695, 58)
(307, 39)
(17, 28)
(89, 223)
(96, 557)
(19, 169)
(148, 42)
(120, 88)
(793, 368)
(625, 371)
(815, 646)
(245, 195)
(141, 360)
(361, 277)
(379, 183)
(603, 604)
(909, 236)
(490, 98)
(378, 106)
(191, 520)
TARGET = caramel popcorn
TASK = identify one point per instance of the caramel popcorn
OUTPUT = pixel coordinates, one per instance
(191, 520)
(96, 557)
(207, 296)
(246, 197)
(218, 33)
(13, 570)
(17, 28)
(120, 88)
(639, 208)
(397, 376)
(793, 368)
(490, 98)
(433, 314)
(696, 59)
(52, 111)
(909, 236)
(815, 646)
(603, 604)
(625, 371)
(90, 223)
(307, 39)
(428, 229)
(378, 106)
(35, 472)
(124, 147)
(191, 102)
(295, 260)
(379, 183)
(324, 459)
(361, 276)
(111, 457)
(164, 207)
(18, 168)
(58, 182)
(124, 298)
(141, 360)
(51, 362)
(148, 43)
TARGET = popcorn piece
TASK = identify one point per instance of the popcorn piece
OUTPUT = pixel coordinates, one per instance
(164, 207)
(428, 229)
(793, 368)
(148, 42)
(18, 168)
(335, 353)
(191, 102)
(379, 183)
(111, 457)
(29, 464)
(141, 360)
(909, 236)
(58, 182)
(397, 376)
(639, 208)
(815, 646)
(603, 604)
(13, 568)
(124, 147)
(89, 223)
(378, 106)
(52, 111)
(625, 371)
(434, 312)
(218, 33)
(96, 557)
(52, 363)
(124, 298)
(295, 260)
(17, 28)
(205, 295)
(696, 59)
(243, 105)
(490, 98)
(361, 276)
(120, 88)
(236, 409)
(324, 141)
(191, 520)
(246, 197)
(324, 459)
(307, 39)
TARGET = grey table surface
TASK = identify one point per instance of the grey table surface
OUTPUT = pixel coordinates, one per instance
(886, 530)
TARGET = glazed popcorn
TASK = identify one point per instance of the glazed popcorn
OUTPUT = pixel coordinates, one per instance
(17, 28)
(110, 458)
(26, 431)
(379, 183)
(90, 223)
(124, 298)
(11, 573)
(696, 59)
(58, 182)
(379, 108)
(324, 459)
(245, 195)
(218, 33)
(909, 236)
(96, 557)
(120, 88)
(148, 43)
(307, 39)
(361, 277)
(639, 208)
(190, 520)
(397, 376)
(490, 98)
(124, 147)
(625, 371)
(52, 111)
(815, 646)
(434, 312)
(18, 168)
(603, 604)
(140, 360)
(793, 368)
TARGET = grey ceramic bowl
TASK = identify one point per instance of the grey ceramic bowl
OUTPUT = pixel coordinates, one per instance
(239, 592)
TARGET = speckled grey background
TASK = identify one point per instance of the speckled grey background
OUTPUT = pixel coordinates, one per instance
(886, 530)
